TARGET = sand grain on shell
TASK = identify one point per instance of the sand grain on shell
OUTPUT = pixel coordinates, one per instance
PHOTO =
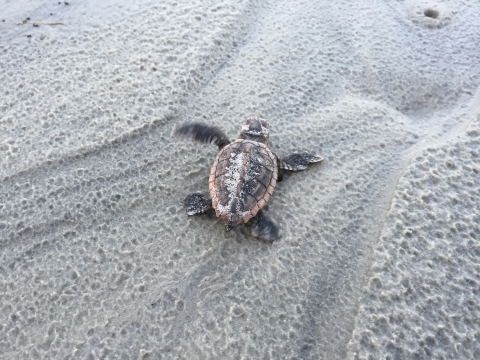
(232, 182)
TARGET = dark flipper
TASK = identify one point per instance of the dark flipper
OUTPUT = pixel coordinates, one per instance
(297, 161)
(264, 228)
(197, 204)
(201, 133)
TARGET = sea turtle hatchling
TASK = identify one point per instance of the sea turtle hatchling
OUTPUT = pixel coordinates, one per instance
(243, 175)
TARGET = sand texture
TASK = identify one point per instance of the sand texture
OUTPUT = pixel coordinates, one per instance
(380, 243)
(421, 300)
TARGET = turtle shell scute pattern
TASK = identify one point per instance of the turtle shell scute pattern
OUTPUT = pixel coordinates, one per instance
(242, 179)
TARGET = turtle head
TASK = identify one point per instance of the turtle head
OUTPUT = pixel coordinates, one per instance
(255, 129)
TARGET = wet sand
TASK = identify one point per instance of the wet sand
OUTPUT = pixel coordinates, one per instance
(379, 248)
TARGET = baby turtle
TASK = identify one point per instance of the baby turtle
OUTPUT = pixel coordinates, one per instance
(243, 175)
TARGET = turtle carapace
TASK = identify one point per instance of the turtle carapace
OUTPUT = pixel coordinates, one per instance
(243, 175)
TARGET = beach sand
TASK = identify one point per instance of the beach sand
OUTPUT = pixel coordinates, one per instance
(380, 243)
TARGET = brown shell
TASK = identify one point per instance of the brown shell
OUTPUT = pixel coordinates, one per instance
(242, 180)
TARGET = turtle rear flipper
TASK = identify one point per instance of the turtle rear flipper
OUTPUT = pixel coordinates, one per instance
(197, 204)
(298, 161)
(201, 133)
(264, 228)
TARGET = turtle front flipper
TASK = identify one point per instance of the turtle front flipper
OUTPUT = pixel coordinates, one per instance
(201, 133)
(264, 228)
(297, 161)
(197, 204)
